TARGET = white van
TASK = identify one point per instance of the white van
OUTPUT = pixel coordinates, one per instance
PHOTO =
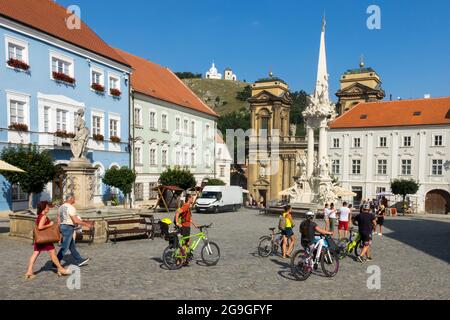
(219, 199)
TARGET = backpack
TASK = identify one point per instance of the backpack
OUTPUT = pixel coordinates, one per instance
(282, 223)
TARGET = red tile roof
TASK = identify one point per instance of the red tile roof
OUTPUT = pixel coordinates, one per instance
(158, 82)
(396, 113)
(50, 18)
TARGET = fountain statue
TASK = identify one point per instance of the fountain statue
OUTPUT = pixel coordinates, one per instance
(78, 144)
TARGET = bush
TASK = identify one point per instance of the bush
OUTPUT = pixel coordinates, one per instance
(181, 178)
(215, 182)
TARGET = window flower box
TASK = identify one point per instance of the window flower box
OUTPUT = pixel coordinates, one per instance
(18, 64)
(64, 134)
(63, 77)
(115, 139)
(98, 137)
(115, 92)
(98, 87)
(21, 127)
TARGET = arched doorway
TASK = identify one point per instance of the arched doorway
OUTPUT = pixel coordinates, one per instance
(437, 202)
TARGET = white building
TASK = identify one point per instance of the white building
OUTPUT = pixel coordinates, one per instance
(223, 161)
(213, 73)
(377, 142)
(229, 75)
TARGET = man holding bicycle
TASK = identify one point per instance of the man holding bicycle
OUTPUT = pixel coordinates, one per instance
(366, 223)
(183, 220)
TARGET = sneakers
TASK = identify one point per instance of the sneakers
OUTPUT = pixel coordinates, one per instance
(360, 259)
(84, 262)
(369, 259)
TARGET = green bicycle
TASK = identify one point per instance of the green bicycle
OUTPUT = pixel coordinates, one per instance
(352, 244)
(174, 256)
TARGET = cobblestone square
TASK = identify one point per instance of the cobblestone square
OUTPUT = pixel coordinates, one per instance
(413, 257)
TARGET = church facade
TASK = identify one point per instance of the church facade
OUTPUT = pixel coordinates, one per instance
(213, 73)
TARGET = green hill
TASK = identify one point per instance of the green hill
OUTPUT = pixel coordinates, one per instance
(221, 95)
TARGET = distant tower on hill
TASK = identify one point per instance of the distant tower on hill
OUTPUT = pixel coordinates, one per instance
(229, 75)
(213, 73)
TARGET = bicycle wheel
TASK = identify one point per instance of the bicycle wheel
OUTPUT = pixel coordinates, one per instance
(329, 261)
(210, 254)
(343, 248)
(358, 248)
(265, 247)
(170, 259)
(300, 267)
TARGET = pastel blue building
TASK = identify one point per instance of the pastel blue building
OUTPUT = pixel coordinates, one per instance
(52, 65)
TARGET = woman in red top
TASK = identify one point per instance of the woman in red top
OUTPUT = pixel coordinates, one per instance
(43, 222)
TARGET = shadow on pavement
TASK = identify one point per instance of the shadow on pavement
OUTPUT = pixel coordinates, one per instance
(428, 236)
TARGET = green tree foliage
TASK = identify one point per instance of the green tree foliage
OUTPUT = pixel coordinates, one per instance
(234, 120)
(122, 179)
(37, 164)
(245, 94)
(215, 182)
(188, 75)
(181, 178)
(299, 104)
(403, 187)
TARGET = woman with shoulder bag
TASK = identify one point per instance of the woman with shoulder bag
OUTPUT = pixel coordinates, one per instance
(44, 223)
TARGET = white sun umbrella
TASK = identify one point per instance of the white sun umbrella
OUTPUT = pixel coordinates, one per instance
(341, 192)
(5, 166)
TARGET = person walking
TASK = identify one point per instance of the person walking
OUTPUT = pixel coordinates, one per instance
(288, 233)
(68, 219)
(381, 214)
(366, 222)
(43, 223)
(345, 217)
(326, 216)
(333, 219)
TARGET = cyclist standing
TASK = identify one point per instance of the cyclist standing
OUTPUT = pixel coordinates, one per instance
(183, 220)
(366, 222)
(308, 229)
(288, 233)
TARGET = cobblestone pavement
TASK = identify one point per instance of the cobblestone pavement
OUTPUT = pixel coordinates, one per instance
(414, 258)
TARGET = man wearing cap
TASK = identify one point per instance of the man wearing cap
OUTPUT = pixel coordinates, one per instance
(366, 222)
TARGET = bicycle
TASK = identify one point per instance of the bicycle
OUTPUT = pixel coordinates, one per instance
(352, 244)
(174, 258)
(305, 261)
(270, 244)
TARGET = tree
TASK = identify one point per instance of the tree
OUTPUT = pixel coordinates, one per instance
(245, 94)
(181, 178)
(122, 179)
(215, 182)
(188, 75)
(38, 166)
(299, 104)
(403, 187)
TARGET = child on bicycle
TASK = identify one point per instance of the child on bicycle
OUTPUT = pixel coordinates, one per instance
(308, 229)
(183, 220)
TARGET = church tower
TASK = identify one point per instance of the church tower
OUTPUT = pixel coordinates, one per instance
(359, 85)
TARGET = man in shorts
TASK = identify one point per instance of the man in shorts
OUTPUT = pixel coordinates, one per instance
(345, 217)
(366, 222)
(183, 220)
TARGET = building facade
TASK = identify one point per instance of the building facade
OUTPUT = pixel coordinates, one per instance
(357, 86)
(48, 73)
(223, 161)
(171, 127)
(374, 143)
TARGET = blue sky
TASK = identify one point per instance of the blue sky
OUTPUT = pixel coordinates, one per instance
(411, 52)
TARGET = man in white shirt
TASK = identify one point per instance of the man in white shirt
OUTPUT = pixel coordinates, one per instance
(68, 219)
(345, 217)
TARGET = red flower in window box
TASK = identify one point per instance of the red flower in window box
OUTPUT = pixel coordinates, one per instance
(98, 137)
(115, 139)
(22, 127)
(63, 77)
(64, 134)
(18, 64)
(98, 87)
(115, 92)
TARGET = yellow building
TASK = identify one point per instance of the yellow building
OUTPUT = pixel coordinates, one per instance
(359, 85)
(273, 171)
